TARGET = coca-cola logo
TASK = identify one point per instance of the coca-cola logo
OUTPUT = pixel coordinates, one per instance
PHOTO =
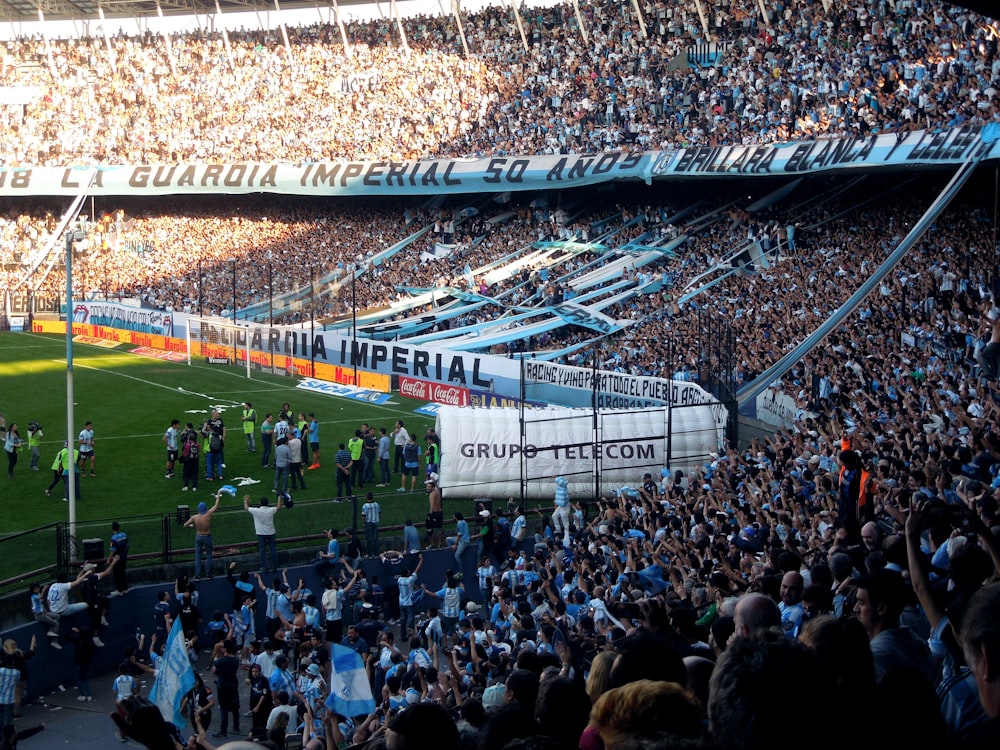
(452, 395)
(413, 388)
(449, 394)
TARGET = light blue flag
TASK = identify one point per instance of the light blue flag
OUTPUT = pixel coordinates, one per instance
(174, 678)
(350, 691)
(470, 279)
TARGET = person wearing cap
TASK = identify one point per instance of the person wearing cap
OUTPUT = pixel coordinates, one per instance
(486, 536)
(202, 523)
(312, 687)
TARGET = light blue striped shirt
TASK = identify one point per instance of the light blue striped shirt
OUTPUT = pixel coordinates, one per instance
(406, 584)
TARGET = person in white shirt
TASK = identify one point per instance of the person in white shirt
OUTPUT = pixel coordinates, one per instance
(58, 595)
(263, 523)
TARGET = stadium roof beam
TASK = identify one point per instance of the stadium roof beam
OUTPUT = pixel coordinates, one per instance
(520, 26)
(580, 22)
(343, 32)
(399, 24)
(702, 17)
(456, 11)
(642, 21)
(168, 42)
(225, 40)
(112, 57)
(284, 36)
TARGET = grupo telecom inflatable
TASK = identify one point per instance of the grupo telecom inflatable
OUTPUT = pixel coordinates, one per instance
(495, 453)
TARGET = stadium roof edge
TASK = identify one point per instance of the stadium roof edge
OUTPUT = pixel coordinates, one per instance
(90, 10)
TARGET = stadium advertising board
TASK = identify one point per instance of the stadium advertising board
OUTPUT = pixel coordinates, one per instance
(490, 451)
(439, 393)
(507, 173)
(124, 317)
(574, 386)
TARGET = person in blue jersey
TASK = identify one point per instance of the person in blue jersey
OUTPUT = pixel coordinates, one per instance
(450, 596)
(407, 582)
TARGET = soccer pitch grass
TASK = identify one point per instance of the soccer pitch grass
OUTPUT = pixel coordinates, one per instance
(131, 400)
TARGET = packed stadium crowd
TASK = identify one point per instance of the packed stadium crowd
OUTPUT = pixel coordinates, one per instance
(808, 70)
(844, 557)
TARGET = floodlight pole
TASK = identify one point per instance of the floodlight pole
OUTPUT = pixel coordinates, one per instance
(354, 325)
(312, 322)
(71, 237)
(235, 356)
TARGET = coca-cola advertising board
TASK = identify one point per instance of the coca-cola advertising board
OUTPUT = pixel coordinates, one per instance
(439, 393)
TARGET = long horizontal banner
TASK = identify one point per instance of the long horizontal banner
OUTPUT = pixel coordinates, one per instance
(505, 174)
(425, 177)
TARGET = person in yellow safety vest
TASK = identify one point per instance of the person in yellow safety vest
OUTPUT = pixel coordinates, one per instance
(356, 445)
(250, 426)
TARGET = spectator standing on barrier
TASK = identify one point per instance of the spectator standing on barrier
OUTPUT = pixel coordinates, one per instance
(171, 439)
(119, 553)
(461, 540)
(435, 515)
(263, 522)
(384, 449)
(371, 512)
(202, 523)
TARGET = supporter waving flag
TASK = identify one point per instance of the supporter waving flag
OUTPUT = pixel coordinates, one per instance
(350, 691)
(174, 678)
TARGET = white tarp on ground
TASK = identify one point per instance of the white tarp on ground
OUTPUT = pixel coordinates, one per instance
(486, 453)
